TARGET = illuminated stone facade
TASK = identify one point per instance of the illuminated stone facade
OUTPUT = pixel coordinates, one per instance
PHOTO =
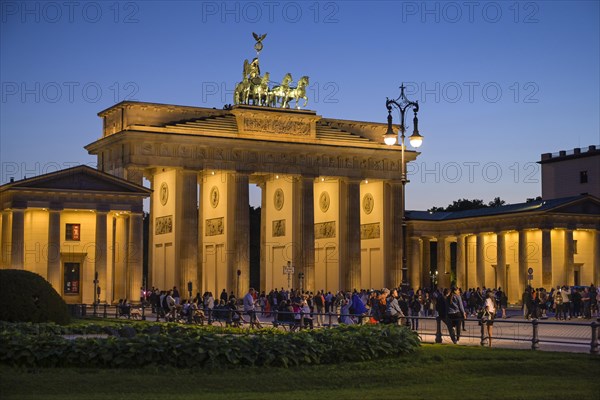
(330, 194)
(70, 224)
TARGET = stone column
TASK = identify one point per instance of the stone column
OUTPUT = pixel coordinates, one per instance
(239, 212)
(461, 262)
(200, 238)
(187, 232)
(120, 257)
(546, 258)
(501, 260)
(17, 238)
(101, 251)
(150, 255)
(5, 244)
(523, 267)
(54, 239)
(596, 252)
(393, 243)
(480, 260)
(135, 255)
(263, 235)
(426, 266)
(350, 233)
(416, 269)
(303, 230)
(443, 261)
(567, 270)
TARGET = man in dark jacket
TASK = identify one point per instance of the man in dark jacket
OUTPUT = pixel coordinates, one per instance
(441, 306)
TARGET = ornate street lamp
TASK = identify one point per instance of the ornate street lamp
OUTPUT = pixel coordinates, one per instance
(403, 104)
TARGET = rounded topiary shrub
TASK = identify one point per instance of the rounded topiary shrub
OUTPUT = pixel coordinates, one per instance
(27, 297)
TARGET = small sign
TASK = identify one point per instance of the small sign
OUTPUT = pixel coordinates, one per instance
(530, 276)
(288, 269)
(530, 271)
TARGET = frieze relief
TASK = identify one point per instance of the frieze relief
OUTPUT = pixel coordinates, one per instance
(164, 150)
(163, 225)
(184, 151)
(287, 159)
(279, 125)
(279, 228)
(325, 230)
(147, 149)
(214, 227)
(370, 231)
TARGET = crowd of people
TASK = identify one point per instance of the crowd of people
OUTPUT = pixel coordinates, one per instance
(307, 309)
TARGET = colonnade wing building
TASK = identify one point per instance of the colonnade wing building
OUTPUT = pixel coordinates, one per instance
(331, 194)
(557, 240)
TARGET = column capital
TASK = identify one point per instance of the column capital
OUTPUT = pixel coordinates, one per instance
(352, 180)
(102, 208)
(54, 206)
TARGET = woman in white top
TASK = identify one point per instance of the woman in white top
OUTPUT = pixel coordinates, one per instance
(490, 309)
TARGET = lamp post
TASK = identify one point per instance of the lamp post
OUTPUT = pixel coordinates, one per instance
(96, 293)
(390, 138)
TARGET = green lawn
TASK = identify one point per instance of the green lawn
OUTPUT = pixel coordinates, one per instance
(435, 371)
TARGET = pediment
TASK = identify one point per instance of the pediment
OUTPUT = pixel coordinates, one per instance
(587, 205)
(81, 178)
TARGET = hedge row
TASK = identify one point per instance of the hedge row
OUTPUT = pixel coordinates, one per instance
(197, 349)
(109, 327)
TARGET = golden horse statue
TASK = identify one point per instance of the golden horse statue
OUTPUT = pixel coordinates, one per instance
(278, 93)
(259, 94)
(296, 93)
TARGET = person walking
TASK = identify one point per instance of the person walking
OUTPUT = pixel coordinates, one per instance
(250, 309)
(393, 312)
(490, 310)
(441, 306)
(558, 304)
(456, 312)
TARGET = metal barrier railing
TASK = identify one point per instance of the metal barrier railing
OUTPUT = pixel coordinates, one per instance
(300, 320)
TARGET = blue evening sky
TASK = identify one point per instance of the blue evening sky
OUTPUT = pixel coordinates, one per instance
(499, 82)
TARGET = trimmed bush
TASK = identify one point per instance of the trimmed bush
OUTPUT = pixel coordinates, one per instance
(27, 297)
(197, 348)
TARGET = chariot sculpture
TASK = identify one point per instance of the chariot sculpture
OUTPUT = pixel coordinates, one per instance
(258, 90)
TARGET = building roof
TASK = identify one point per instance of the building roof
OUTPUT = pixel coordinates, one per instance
(570, 154)
(534, 206)
(79, 178)
(227, 124)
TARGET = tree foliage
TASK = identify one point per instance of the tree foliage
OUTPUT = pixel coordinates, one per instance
(466, 204)
(27, 297)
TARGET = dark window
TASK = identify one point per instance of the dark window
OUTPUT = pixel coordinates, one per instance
(71, 278)
(583, 177)
(574, 246)
(73, 232)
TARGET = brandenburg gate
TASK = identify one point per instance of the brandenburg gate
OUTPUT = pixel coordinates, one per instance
(331, 189)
